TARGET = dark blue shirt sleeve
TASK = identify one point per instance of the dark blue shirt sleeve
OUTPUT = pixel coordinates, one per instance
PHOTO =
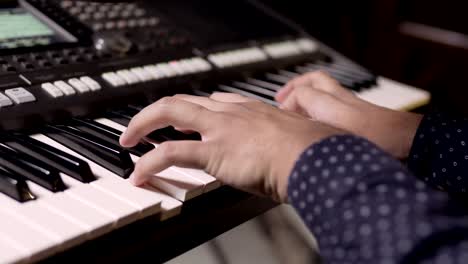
(364, 206)
(439, 154)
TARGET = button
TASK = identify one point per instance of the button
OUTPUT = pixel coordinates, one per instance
(52, 90)
(95, 86)
(4, 100)
(79, 85)
(142, 74)
(20, 95)
(128, 76)
(113, 79)
(153, 70)
(166, 69)
(65, 88)
(178, 67)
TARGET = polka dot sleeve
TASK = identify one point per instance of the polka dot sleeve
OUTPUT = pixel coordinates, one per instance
(363, 206)
(439, 154)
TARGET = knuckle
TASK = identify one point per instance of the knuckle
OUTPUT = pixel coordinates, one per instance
(168, 151)
(167, 100)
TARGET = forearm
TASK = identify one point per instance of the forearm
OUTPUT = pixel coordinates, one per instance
(363, 206)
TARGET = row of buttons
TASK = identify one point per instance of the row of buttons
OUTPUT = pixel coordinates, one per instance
(157, 71)
(60, 88)
(237, 57)
(290, 48)
(18, 95)
(275, 50)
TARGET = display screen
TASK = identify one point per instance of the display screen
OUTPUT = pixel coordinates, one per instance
(19, 28)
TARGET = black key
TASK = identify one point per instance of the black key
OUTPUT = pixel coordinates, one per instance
(109, 134)
(119, 118)
(14, 186)
(264, 84)
(230, 89)
(64, 162)
(342, 79)
(124, 116)
(255, 89)
(113, 158)
(170, 133)
(31, 168)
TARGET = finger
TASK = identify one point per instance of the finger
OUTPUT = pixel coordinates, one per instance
(206, 102)
(231, 98)
(168, 111)
(313, 103)
(186, 154)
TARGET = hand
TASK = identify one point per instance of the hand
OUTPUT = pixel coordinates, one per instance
(245, 143)
(320, 97)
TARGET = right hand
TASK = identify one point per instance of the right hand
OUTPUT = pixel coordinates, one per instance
(320, 97)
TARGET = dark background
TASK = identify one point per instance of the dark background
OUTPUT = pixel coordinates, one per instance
(420, 42)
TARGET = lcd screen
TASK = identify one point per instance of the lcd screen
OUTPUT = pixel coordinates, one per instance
(19, 28)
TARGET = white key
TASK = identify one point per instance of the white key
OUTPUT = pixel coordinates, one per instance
(128, 76)
(142, 74)
(154, 71)
(92, 84)
(177, 185)
(67, 232)
(122, 213)
(32, 241)
(210, 183)
(170, 206)
(113, 79)
(9, 253)
(148, 203)
(20, 95)
(94, 221)
(65, 88)
(79, 85)
(5, 101)
(52, 90)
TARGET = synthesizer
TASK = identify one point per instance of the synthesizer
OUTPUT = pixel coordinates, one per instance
(73, 74)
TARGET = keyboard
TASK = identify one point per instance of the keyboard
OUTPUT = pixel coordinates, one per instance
(64, 105)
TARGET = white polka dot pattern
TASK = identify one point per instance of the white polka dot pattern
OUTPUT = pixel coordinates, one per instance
(363, 206)
(440, 150)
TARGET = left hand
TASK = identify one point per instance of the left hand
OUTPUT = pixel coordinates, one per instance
(245, 143)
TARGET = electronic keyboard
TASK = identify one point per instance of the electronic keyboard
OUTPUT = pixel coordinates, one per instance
(73, 74)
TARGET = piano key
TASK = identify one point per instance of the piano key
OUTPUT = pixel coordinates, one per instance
(93, 221)
(91, 83)
(109, 134)
(255, 89)
(31, 168)
(147, 202)
(33, 242)
(10, 253)
(62, 161)
(363, 74)
(14, 186)
(121, 213)
(210, 182)
(113, 184)
(229, 89)
(80, 86)
(107, 155)
(279, 79)
(264, 84)
(207, 182)
(345, 80)
(67, 233)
